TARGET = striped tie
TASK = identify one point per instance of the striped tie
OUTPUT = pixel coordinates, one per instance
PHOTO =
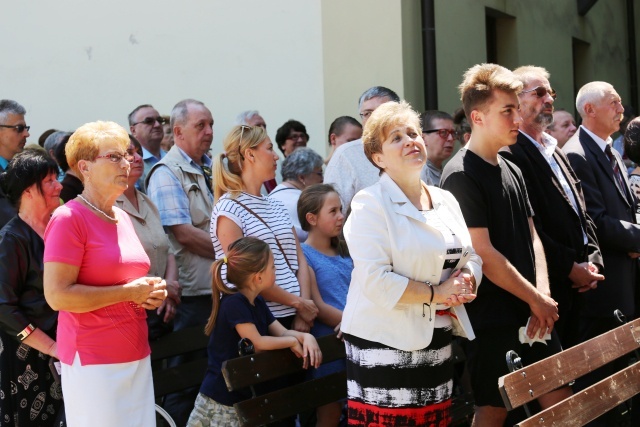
(616, 168)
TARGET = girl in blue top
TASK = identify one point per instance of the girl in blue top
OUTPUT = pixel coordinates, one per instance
(320, 214)
(240, 312)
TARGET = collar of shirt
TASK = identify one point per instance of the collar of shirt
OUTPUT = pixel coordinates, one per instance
(548, 146)
(3, 163)
(146, 154)
(206, 161)
(601, 142)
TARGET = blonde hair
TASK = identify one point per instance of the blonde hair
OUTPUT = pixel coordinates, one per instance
(84, 143)
(479, 82)
(227, 178)
(246, 256)
(382, 121)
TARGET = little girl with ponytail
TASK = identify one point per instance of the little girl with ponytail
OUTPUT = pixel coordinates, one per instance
(240, 312)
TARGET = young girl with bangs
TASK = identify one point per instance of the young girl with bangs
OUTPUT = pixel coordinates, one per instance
(240, 312)
(320, 214)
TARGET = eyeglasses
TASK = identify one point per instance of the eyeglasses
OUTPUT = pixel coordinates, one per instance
(541, 91)
(152, 121)
(443, 133)
(298, 136)
(117, 157)
(17, 128)
(366, 114)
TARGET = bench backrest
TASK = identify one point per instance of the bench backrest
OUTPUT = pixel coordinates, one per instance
(537, 379)
(247, 371)
(189, 374)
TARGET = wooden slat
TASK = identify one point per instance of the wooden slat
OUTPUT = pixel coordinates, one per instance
(186, 375)
(245, 371)
(530, 382)
(292, 400)
(179, 342)
(590, 403)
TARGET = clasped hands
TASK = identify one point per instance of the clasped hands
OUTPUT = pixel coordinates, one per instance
(149, 292)
(460, 287)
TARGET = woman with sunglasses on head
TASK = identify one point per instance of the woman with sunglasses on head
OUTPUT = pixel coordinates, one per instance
(240, 210)
(146, 221)
(27, 322)
(95, 275)
(300, 169)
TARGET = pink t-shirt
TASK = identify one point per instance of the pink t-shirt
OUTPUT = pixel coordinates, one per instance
(108, 254)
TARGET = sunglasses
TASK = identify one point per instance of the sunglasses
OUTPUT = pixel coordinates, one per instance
(443, 133)
(541, 91)
(151, 121)
(17, 128)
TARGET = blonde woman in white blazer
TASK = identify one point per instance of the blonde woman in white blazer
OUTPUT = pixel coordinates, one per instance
(414, 267)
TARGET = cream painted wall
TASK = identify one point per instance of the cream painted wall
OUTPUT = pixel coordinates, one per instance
(362, 47)
(72, 61)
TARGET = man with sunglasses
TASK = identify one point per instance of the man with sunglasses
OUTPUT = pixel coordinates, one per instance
(439, 137)
(145, 123)
(13, 137)
(566, 231)
(611, 204)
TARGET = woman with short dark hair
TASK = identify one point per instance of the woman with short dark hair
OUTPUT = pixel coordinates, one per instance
(30, 395)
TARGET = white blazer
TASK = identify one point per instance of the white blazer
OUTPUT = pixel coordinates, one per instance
(391, 242)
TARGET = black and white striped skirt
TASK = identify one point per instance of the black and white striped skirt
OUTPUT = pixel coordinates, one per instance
(391, 387)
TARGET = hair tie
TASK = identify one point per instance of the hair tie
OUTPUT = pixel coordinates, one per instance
(224, 259)
(224, 154)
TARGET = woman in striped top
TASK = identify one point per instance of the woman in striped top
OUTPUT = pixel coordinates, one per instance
(240, 210)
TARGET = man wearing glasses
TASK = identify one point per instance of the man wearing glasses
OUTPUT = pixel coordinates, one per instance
(439, 137)
(349, 170)
(145, 123)
(565, 229)
(13, 137)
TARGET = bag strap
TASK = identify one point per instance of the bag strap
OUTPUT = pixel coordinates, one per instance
(248, 209)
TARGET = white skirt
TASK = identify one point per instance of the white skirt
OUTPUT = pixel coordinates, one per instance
(118, 394)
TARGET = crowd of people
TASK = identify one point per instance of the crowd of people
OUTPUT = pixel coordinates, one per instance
(525, 239)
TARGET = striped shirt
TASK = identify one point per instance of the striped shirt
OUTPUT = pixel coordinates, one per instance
(273, 213)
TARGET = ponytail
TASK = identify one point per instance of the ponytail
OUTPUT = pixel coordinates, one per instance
(245, 257)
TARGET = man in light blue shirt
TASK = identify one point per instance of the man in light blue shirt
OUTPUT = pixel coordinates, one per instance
(145, 124)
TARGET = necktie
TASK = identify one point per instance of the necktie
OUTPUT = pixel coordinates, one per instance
(616, 169)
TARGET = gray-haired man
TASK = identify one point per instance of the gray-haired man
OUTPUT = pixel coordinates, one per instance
(349, 170)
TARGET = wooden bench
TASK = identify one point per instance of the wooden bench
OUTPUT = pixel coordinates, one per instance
(248, 371)
(530, 382)
(251, 370)
(172, 379)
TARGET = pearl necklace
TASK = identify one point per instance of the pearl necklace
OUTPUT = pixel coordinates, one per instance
(112, 218)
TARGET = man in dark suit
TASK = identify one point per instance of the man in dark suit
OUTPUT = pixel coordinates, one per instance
(566, 231)
(611, 205)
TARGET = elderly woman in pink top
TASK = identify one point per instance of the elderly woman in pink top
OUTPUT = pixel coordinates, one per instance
(94, 274)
